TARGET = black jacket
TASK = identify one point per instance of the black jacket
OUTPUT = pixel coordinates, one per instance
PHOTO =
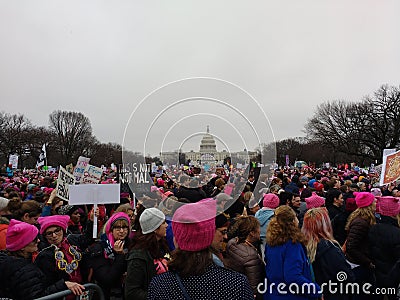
(329, 262)
(21, 279)
(338, 225)
(384, 239)
(107, 272)
(140, 271)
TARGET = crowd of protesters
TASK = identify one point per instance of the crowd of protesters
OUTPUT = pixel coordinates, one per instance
(205, 236)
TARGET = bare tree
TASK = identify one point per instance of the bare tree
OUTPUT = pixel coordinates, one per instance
(72, 134)
(13, 130)
(361, 129)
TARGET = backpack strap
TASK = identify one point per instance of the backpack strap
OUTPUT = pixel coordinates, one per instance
(184, 292)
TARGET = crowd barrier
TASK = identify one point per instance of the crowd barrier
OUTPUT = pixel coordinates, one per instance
(88, 287)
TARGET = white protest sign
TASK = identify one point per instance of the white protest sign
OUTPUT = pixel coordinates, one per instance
(13, 161)
(94, 194)
(80, 168)
(64, 181)
(92, 175)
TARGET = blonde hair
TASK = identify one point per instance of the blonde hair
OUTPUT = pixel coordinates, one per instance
(316, 226)
(366, 213)
(283, 228)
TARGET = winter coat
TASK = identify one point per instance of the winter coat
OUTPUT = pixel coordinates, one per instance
(357, 243)
(47, 262)
(264, 215)
(216, 283)
(333, 211)
(329, 262)
(107, 272)
(244, 259)
(287, 264)
(140, 271)
(338, 226)
(21, 279)
(384, 239)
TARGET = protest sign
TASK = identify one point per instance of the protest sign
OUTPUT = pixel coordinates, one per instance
(80, 168)
(13, 161)
(94, 194)
(64, 181)
(390, 168)
(91, 174)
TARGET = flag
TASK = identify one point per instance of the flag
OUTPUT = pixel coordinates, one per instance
(42, 157)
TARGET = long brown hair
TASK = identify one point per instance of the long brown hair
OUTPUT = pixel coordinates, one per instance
(366, 213)
(18, 208)
(243, 226)
(190, 263)
(157, 248)
(282, 228)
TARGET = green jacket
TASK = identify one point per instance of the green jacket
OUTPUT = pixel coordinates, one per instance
(140, 272)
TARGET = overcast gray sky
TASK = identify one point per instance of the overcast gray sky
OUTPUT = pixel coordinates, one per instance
(103, 57)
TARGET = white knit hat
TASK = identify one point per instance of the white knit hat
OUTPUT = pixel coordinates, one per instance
(151, 219)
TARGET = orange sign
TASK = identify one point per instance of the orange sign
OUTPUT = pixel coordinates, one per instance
(391, 168)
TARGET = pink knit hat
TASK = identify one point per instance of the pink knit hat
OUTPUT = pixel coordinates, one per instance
(193, 225)
(115, 217)
(388, 206)
(363, 199)
(314, 201)
(270, 201)
(19, 234)
(56, 220)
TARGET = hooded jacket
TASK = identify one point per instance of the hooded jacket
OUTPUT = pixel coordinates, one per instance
(264, 215)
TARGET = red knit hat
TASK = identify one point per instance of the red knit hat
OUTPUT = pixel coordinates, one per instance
(193, 225)
(388, 206)
(56, 220)
(351, 204)
(364, 199)
(314, 201)
(318, 186)
(270, 201)
(19, 234)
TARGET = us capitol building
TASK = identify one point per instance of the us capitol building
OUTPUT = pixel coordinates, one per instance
(208, 154)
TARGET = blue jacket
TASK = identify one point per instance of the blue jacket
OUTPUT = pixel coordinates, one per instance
(170, 234)
(288, 264)
(264, 216)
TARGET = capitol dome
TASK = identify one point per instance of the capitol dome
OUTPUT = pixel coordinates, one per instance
(207, 144)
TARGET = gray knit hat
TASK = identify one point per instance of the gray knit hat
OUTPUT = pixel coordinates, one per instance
(151, 219)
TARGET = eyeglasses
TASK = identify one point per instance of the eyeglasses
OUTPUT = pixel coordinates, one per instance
(223, 232)
(120, 227)
(50, 233)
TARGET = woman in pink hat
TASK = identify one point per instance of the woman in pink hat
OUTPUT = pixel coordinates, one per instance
(357, 242)
(384, 238)
(19, 277)
(191, 271)
(107, 261)
(61, 255)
